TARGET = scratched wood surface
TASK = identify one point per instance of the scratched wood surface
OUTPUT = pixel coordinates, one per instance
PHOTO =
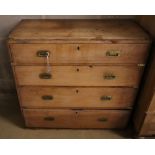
(78, 30)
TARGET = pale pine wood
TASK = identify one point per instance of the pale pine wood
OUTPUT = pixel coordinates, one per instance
(151, 108)
(148, 128)
(77, 31)
(77, 97)
(145, 97)
(76, 118)
(80, 69)
(87, 53)
(79, 75)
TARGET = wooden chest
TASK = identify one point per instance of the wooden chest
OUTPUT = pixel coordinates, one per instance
(77, 73)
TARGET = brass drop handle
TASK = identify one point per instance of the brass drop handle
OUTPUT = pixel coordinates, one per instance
(49, 118)
(47, 97)
(43, 53)
(113, 53)
(106, 98)
(109, 76)
(45, 76)
(103, 119)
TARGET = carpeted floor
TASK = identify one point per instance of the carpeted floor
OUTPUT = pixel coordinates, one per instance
(12, 126)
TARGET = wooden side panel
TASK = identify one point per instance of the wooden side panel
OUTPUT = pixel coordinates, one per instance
(146, 95)
(76, 119)
(80, 53)
(80, 75)
(148, 125)
(152, 105)
(77, 97)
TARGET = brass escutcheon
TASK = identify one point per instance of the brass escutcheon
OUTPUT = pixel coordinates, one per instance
(47, 97)
(45, 76)
(43, 53)
(106, 98)
(113, 53)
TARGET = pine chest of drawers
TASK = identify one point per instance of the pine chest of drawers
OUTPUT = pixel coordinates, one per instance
(77, 73)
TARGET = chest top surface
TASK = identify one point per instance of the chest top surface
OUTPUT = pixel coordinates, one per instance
(107, 31)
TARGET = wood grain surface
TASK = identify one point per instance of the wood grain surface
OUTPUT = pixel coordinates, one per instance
(77, 97)
(80, 75)
(76, 118)
(78, 30)
(80, 53)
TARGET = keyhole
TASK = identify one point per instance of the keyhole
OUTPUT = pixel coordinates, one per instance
(77, 70)
(78, 48)
(77, 91)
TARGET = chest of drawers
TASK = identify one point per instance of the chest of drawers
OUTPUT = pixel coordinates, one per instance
(77, 73)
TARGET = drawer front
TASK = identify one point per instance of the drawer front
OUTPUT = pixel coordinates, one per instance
(79, 75)
(79, 53)
(77, 97)
(76, 119)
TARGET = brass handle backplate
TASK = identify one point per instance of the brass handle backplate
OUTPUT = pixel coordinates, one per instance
(109, 76)
(113, 53)
(47, 97)
(103, 119)
(43, 53)
(49, 118)
(45, 76)
(106, 98)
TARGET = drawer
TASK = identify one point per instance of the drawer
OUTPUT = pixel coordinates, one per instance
(77, 97)
(79, 75)
(76, 118)
(79, 53)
